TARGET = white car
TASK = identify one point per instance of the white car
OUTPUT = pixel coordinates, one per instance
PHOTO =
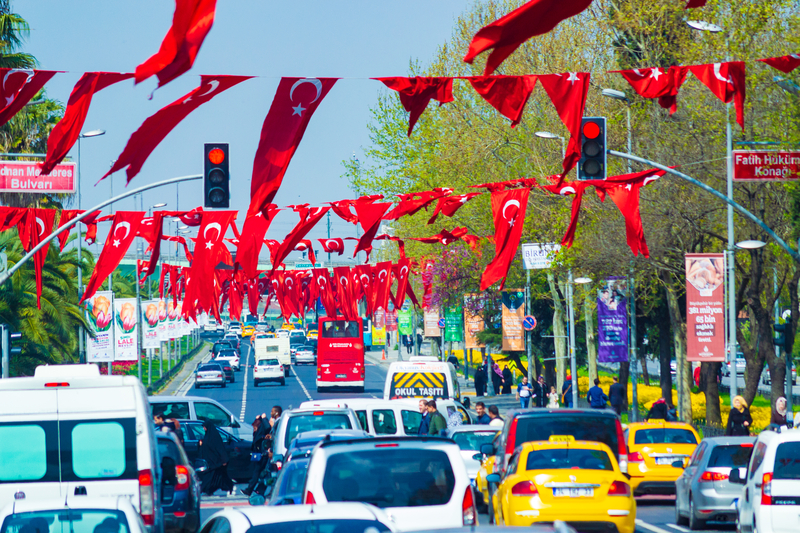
(78, 514)
(770, 499)
(282, 334)
(268, 368)
(229, 356)
(305, 355)
(294, 421)
(349, 517)
(235, 328)
(421, 482)
(469, 439)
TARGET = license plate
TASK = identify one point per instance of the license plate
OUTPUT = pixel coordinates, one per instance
(666, 460)
(574, 493)
(341, 376)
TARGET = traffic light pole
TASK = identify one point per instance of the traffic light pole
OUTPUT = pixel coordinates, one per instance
(6, 347)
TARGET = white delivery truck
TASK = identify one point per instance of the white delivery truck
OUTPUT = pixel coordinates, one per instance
(277, 347)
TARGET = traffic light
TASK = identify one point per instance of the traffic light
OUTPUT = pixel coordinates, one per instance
(782, 339)
(7, 338)
(592, 164)
(217, 175)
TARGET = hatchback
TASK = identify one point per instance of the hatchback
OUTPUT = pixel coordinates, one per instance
(210, 374)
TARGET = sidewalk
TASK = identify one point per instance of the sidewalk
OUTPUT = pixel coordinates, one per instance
(175, 387)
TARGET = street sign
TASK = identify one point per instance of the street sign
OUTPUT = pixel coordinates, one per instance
(24, 176)
(529, 323)
(749, 165)
(441, 323)
(539, 255)
(3, 263)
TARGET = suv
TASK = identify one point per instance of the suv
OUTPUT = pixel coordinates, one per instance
(420, 481)
(230, 357)
(770, 500)
(295, 421)
(200, 408)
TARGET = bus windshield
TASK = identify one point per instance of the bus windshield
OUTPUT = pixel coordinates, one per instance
(340, 329)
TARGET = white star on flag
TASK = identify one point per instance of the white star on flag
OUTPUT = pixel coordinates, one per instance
(209, 245)
(115, 243)
(655, 73)
(298, 110)
(629, 186)
(573, 77)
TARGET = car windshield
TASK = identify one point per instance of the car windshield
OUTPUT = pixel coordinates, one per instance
(292, 478)
(227, 353)
(268, 362)
(389, 477)
(331, 525)
(735, 456)
(209, 368)
(340, 329)
(67, 520)
(311, 421)
(567, 459)
(589, 427)
(297, 341)
(787, 461)
(472, 440)
(664, 436)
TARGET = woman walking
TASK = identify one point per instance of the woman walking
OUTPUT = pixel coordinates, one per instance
(508, 380)
(497, 378)
(739, 419)
(779, 412)
(213, 451)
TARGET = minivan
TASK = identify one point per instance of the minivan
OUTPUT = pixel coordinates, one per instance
(200, 408)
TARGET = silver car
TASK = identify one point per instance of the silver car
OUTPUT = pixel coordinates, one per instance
(703, 492)
(210, 374)
(469, 439)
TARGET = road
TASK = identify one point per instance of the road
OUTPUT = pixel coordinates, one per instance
(654, 514)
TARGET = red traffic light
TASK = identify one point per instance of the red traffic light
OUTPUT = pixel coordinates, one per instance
(216, 156)
(591, 130)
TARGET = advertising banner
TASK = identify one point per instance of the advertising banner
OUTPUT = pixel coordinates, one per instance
(126, 336)
(379, 318)
(513, 314)
(163, 317)
(473, 323)
(453, 325)
(431, 319)
(538, 255)
(23, 176)
(705, 321)
(149, 324)
(391, 320)
(100, 313)
(172, 320)
(612, 321)
(765, 166)
(404, 320)
(378, 336)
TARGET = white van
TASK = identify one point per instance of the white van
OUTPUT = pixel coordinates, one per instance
(421, 379)
(68, 431)
(278, 347)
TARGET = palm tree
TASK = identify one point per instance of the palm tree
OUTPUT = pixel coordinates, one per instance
(13, 31)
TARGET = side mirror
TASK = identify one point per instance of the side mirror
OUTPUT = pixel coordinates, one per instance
(487, 449)
(677, 464)
(736, 477)
(477, 457)
(493, 478)
(200, 465)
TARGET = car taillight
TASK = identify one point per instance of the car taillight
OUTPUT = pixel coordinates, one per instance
(622, 448)
(219, 374)
(635, 457)
(713, 476)
(524, 488)
(619, 488)
(766, 489)
(281, 367)
(512, 434)
(310, 498)
(146, 497)
(227, 368)
(468, 511)
(181, 477)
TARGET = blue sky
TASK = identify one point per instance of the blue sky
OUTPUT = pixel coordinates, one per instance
(347, 39)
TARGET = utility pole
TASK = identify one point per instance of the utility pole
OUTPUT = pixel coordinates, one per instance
(572, 362)
(633, 352)
(528, 334)
(329, 233)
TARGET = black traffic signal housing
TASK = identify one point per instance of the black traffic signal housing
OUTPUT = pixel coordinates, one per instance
(216, 177)
(782, 338)
(592, 164)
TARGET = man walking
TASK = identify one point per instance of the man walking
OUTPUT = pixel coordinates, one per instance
(424, 424)
(566, 391)
(596, 397)
(541, 399)
(524, 392)
(437, 423)
(480, 410)
(617, 396)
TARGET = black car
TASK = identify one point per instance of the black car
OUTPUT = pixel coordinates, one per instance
(221, 345)
(180, 488)
(240, 468)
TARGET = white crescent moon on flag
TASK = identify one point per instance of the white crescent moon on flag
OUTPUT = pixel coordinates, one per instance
(509, 203)
(213, 85)
(321, 280)
(648, 180)
(287, 280)
(382, 273)
(335, 244)
(362, 279)
(566, 190)
(403, 270)
(718, 75)
(446, 241)
(41, 226)
(343, 280)
(127, 227)
(313, 81)
(213, 225)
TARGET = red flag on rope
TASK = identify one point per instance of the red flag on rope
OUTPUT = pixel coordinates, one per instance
(252, 239)
(401, 271)
(568, 93)
(443, 237)
(347, 306)
(657, 83)
(785, 64)
(448, 205)
(33, 229)
(726, 81)
(415, 93)
(414, 202)
(383, 282)
(332, 246)
(207, 253)
(508, 208)
(18, 88)
(370, 216)
(308, 219)
(507, 94)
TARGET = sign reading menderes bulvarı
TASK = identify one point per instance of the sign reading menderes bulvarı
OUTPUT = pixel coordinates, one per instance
(24, 176)
(751, 165)
(126, 340)
(705, 323)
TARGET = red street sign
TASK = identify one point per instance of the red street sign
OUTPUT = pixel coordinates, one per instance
(23, 176)
(765, 166)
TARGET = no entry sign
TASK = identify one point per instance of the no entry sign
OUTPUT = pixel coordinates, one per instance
(441, 323)
(529, 323)
(765, 166)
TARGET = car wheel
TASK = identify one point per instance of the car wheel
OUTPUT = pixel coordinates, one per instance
(196, 386)
(283, 382)
(286, 373)
(694, 522)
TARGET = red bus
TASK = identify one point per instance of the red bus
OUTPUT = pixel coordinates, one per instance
(340, 354)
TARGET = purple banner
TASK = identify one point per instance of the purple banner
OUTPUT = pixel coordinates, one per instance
(612, 321)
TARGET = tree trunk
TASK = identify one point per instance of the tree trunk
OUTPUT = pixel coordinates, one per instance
(709, 373)
(559, 332)
(684, 375)
(643, 366)
(591, 341)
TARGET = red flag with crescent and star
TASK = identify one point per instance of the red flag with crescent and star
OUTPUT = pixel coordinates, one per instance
(401, 271)
(568, 93)
(324, 290)
(294, 104)
(305, 246)
(332, 246)
(412, 203)
(33, 229)
(348, 307)
(252, 239)
(157, 127)
(370, 215)
(19, 86)
(785, 64)
(656, 82)
(124, 227)
(383, 282)
(508, 208)
(415, 94)
(364, 273)
(726, 81)
(153, 233)
(448, 205)
(208, 251)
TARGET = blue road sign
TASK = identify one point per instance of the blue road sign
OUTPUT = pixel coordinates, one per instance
(441, 323)
(529, 323)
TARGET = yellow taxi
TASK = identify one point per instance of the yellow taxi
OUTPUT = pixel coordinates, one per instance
(287, 326)
(481, 486)
(248, 331)
(652, 448)
(312, 334)
(578, 482)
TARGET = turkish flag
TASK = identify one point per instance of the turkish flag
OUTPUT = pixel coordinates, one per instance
(576, 188)
(67, 130)
(308, 219)
(785, 64)
(180, 240)
(294, 104)
(191, 218)
(343, 210)
(11, 216)
(347, 306)
(365, 289)
(124, 226)
(66, 216)
(190, 25)
(726, 81)
(157, 127)
(507, 94)
(332, 246)
(383, 282)
(33, 229)
(208, 252)
(443, 237)
(19, 86)
(448, 205)
(401, 271)
(412, 203)
(287, 293)
(252, 238)
(305, 246)
(324, 290)
(401, 245)
(568, 93)
(626, 197)
(415, 93)
(657, 83)
(508, 208)
(370, 216)
(506, 34)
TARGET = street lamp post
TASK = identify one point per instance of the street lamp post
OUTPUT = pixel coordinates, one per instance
(548, 135)
(573, 364)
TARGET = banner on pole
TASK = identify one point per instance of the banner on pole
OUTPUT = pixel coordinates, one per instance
(539, 255)
(612, 321)
(163, 317)
(378, 336)
(705, 293)
(513, 314)
(453, 325)
(473, 321)
(100, 311)
(404, 319)
(172, 320)
(149, 323)
(126, 337)
(391, 320)
(431, 319)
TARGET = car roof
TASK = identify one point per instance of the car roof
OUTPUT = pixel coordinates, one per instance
(258, 515)
(352, 403)
(121, 503)
(338, 433)
(658, 423)
(307, 410)
(422, 442)
(544, 411)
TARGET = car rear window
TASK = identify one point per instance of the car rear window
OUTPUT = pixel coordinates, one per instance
(99, 449)
(568, 458)
(210, 368)
(333, 525)
(26, 450)
(589, 427)
(730, 456)
(71, 520)
(167, 448)
(310, 422)
(472, 440)
(787, 461)
(389, 477)
(664, 436)
(227, 353)
(268, 362)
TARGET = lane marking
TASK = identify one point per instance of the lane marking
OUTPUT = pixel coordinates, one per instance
(186, 386)
(244, 390)
(305, 390)
(651, 527)
(679, 528)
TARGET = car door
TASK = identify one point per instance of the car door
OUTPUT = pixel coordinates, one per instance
(240, 467)
(752, 488)
(214, 413)
(684, 482)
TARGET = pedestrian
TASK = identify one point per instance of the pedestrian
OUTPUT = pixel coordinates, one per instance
(482, 419)
(453, 360)
(485, 370)
(213, 451)
(480, 381)
(497, 378)
(437, 421)
(617, 396)
(739, 419)
(566, 392)
(596, 397)
(508, 380)
(274, 416)
(419, 342)
(409, 343)
(426, 420)
(536, 393)
(541, 400)
(779, 412)
(553, 399)
(524, 391)
(658, 411)
(494, 414)
(259, 459)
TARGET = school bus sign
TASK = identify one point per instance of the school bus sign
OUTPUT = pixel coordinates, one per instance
(765, 166)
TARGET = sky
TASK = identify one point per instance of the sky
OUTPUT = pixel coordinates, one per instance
(353, 40)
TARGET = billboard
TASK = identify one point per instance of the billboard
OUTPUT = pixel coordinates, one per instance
(126, 340)
(163, 334)
(513, 314)
(23, 176)
(612, 321)
(705, 321)
(453, 326)
(378, 336)
(404, 322)
(431, 321)
(539, 255)
(473, 323)
(751, 165)
(100, 311)
(149, 324)
(391, 320)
